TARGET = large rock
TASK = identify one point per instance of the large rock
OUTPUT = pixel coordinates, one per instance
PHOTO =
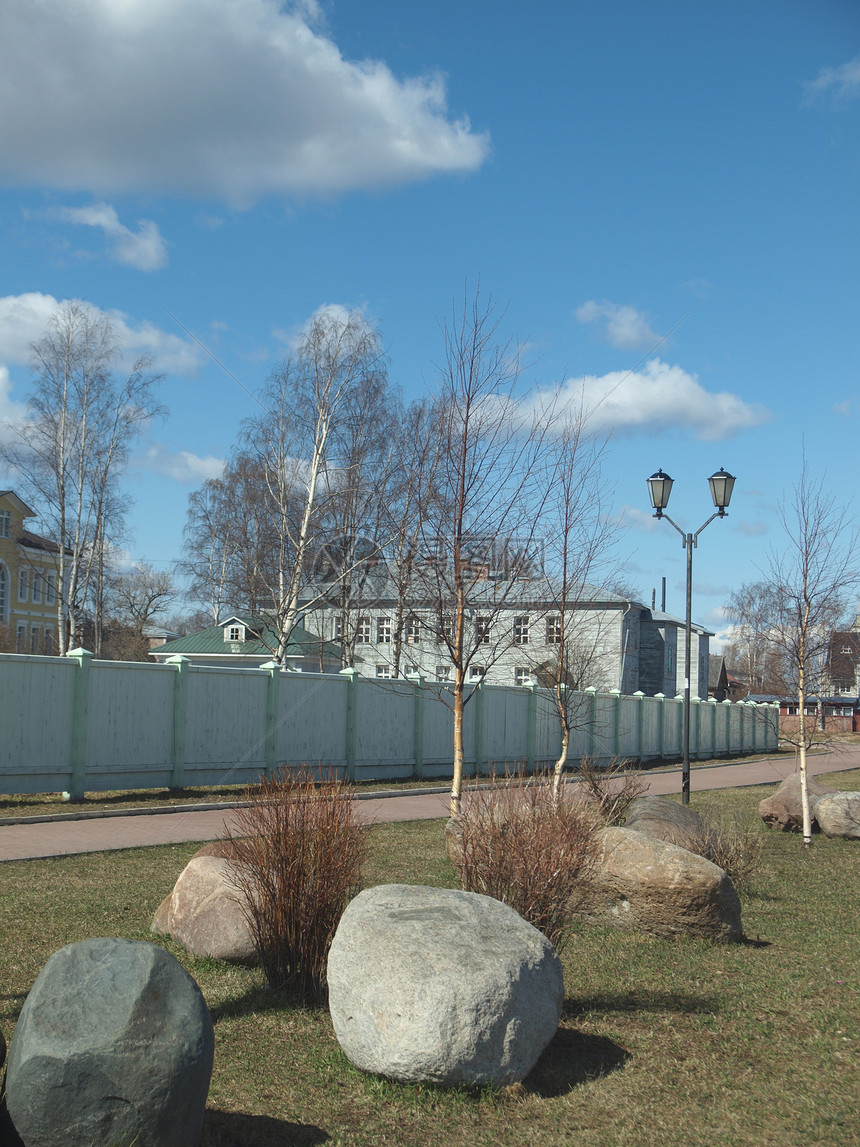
(114, 1045)
(439, 985)
(783, 810)
(665, 819)
(204, 912)
(649, 885)
(839, 815)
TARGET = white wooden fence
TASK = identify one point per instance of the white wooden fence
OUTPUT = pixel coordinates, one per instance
(75, 724)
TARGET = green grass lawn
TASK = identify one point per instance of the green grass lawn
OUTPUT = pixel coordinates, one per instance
(661, 1042)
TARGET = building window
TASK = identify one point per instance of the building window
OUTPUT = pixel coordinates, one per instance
(337, 629)
(553, 631)
(34, 639)
(383, 631)
(521, 631)
(477, 673)
(5, 524)
(37, 589)
(482, 631)
(446, 633)
(234, 633)
(362, 631)
(443, 672)
(383, 671)
(50, 589)
(413, 631)
(48, 641)
(521, 676)
(20, 638)
(23, 584)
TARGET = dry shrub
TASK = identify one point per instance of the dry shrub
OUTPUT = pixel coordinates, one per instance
(298, 850)
(517, 843)
(734, 846)
(613, 787)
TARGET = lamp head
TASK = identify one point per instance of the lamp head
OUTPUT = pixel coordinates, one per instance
(659, 488)
(722, 483)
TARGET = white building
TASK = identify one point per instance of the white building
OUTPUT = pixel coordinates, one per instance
(512, 632)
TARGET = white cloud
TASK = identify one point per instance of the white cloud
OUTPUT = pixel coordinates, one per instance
(144, 249)
(659, 397)
(24, 320)
(637, 519)
(623, 326)
(752, 529)
(203, 97)
(10, 411)
(183, 465)
(838, 84)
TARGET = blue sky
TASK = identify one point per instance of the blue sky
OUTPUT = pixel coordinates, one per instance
(609, 168)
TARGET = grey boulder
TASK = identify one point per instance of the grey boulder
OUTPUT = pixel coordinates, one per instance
(783, 810)
(839, 815)
(649, 885)
(114, 1044)
(667, 820)
(430, 984)
(205, 914)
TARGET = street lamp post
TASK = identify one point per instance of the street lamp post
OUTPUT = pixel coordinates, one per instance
(659, 488)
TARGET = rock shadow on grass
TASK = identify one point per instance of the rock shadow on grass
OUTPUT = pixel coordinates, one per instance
(684, 1003)
(233, 1129)
(571, 1059)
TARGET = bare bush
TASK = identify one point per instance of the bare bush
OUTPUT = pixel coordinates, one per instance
(298, 851)
(518, 843)
(613, 787)
(734, 846)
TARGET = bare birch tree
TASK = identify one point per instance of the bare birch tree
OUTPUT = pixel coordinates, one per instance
(480, 497)
(71, 448)
(814, 577)
(292, 442)
(579, 536)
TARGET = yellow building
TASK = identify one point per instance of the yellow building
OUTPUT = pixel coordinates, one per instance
(28, 582)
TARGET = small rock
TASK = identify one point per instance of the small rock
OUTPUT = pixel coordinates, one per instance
(783, 810)
(665, 819)
(114, 1044)
(649, 885)
(839, 815)
(205, 912)
(444, 986)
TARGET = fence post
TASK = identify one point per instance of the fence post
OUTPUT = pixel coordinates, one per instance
(180, 718)
(273, 702)
(696, 711)
(616, 722)
(660, 698)
(351, 676)
(728, 724)
(478, 727)
(531, 725)
(417, 723)
(591, 693)
(639, 697)
(80, 723)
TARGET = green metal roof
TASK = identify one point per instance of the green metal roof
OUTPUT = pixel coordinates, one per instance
(211, 642)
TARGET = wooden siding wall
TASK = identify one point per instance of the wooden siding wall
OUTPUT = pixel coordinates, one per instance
(78, 725)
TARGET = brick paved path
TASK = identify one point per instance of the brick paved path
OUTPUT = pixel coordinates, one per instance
(62, 837)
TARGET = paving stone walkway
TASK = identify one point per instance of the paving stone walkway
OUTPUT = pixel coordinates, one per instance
(61, 837)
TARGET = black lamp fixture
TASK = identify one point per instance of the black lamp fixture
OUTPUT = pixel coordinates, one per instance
(722, 483)
(660, 487)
